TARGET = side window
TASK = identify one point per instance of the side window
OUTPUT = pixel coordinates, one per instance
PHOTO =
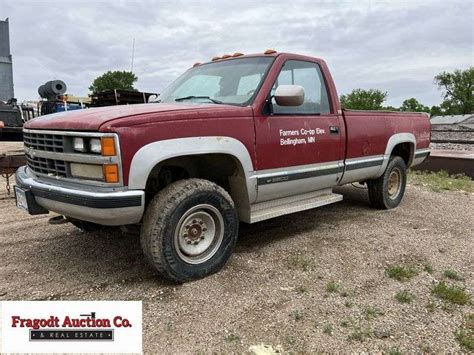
(309, 76)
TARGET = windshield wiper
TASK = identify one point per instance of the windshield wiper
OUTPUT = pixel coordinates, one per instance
(198, 97)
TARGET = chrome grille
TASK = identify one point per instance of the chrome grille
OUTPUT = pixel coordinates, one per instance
(51, 153)
(45, 142)
(46, 166)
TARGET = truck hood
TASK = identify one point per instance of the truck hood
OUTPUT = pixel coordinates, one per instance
(96, 119)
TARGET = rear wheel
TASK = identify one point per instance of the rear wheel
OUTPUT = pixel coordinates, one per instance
(189, 230)
(387, 191)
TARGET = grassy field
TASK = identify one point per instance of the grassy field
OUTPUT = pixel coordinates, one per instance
(441, 181)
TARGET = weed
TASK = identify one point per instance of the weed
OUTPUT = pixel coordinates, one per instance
(426, 349)
(290, 340)
(431, 306)
(231, 338)
(470, 321)
(453, 294)
(301, 290)
(327, 329)
(394, 351)
(465, 334)
(401, 273)
(453, 275)
(448, 307)
(297, 315)
(332, 287)
(404, 296)
(345, 323)
(465, 338)
(300, 262)
(372, 312)
(428, 268)
(348, 304)
(359, 334)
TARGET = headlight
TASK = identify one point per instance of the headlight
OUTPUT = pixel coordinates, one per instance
(104, 145)
(78, 144)
(95, 145)
(87, 171)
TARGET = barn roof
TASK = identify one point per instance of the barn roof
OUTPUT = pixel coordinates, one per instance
(452, 119)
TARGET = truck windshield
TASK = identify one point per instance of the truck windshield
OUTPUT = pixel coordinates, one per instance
(232, 81)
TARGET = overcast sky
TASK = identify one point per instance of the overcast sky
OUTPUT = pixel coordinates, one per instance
(395, 46)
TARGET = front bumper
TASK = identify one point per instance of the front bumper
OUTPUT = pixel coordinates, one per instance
(110, 208)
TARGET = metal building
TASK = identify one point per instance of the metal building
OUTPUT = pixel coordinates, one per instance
(6, 71)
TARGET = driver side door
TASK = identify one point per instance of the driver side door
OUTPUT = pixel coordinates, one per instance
(299, 148)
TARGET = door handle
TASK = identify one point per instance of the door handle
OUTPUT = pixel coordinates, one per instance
(334, 130)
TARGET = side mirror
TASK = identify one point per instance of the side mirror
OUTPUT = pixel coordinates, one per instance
(289, 95)
(153, 98)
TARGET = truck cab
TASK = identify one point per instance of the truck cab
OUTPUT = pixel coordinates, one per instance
(241, 138)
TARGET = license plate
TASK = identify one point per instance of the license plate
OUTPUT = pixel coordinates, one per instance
(21, 201)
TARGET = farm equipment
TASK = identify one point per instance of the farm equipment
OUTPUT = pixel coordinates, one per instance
(54, 100)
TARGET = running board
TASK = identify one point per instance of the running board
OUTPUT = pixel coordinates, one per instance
(270, 209)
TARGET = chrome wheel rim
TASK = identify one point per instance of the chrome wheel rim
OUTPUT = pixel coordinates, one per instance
(199, 234)
(394, 183)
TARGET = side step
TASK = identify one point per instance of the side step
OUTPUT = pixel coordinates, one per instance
(270, 209)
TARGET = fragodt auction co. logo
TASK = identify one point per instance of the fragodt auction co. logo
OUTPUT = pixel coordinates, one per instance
(87, 327)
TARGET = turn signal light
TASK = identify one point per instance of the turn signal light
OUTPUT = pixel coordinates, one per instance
(111, 173)
(215, 58)
(225, 56)
(108, 146)
(237, 54)
(269, 51)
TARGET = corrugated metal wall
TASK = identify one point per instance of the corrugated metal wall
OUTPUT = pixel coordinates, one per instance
(6, 70)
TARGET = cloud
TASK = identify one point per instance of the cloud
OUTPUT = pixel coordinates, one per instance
(395, 46)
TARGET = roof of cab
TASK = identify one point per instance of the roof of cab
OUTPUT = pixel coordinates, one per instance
(267, 53)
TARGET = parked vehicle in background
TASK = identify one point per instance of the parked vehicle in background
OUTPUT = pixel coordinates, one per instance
(237, 139)
(12, 118)
(119, 97)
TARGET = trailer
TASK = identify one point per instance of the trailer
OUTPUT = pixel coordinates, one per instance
(12, 156)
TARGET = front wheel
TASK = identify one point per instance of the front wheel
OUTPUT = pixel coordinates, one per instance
(189, 230)
(387, 191)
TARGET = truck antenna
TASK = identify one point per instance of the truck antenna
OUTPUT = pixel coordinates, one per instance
(133, 54)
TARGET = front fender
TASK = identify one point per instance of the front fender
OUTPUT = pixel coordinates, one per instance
(152, 154)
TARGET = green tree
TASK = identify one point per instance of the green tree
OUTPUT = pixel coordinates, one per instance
(458, 89)
(391, 108)
(114, 80)
(360, 99)
(412, 105)
(436, 111)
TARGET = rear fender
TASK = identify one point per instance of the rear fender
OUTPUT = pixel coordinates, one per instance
(392, 143)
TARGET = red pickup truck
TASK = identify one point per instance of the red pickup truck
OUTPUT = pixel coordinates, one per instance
(240, 138)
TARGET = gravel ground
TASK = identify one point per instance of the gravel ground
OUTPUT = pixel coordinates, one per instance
(275, 288)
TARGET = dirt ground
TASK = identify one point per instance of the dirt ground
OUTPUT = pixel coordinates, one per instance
(310, 281)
